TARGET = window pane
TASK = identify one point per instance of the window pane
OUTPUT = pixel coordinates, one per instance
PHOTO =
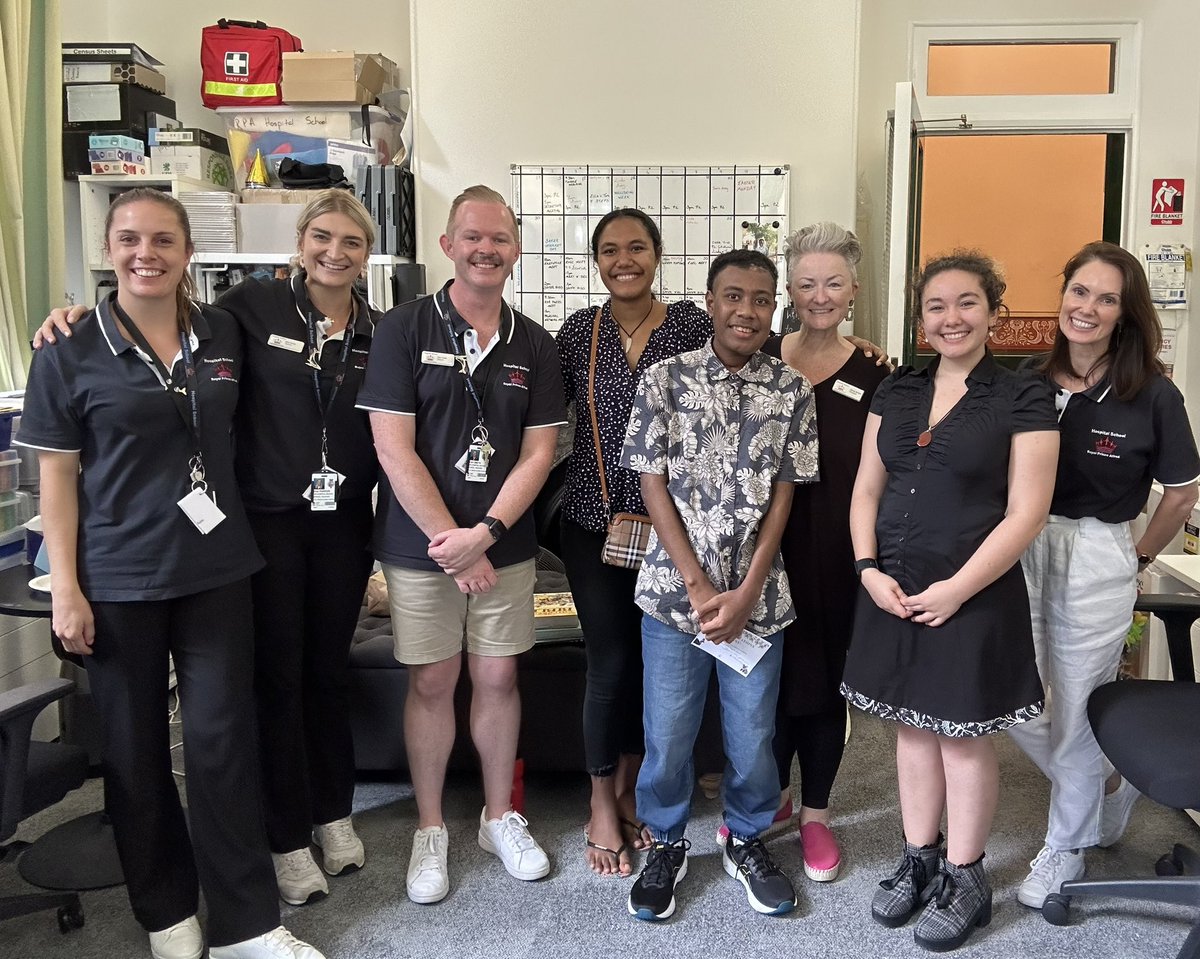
(1002, 69)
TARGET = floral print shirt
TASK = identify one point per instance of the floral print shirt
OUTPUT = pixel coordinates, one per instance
(722, 437)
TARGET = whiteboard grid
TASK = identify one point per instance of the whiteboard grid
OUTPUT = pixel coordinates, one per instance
(701, 210)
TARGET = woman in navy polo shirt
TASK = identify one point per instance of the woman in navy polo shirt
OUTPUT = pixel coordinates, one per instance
(1123, 425)
(306, 466)
(152, 555)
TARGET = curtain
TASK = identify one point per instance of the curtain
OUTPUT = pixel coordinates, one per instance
(31, 194)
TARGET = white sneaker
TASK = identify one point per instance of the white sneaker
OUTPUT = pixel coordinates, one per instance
(341, 849)
(298, 878)
(1114, 816)
(180, 941)
(508, 837)
(1048, 871)
(276, 944)
(428, 880)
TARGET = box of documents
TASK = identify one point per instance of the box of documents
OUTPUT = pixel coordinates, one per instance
(331, 77)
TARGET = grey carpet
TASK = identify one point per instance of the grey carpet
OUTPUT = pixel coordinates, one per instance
(573, 913)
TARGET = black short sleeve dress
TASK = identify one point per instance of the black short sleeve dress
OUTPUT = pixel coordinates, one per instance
(817, 553)
(976, 673)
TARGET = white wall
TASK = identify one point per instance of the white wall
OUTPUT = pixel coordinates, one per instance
(629, 81)
(1166, 134)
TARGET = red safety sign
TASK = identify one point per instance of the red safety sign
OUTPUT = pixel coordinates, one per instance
(1166, 202)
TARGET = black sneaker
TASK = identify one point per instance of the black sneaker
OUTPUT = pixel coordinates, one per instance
(768, 890)
(653, 895)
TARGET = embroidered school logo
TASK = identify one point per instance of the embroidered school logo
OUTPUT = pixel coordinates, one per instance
(517, 376)
(223, 371)
(1106, 444)
(237, 64)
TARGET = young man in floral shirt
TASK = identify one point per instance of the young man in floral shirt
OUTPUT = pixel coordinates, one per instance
(719, 435)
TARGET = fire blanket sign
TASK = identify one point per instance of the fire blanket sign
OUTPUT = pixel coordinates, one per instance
(1166, 202)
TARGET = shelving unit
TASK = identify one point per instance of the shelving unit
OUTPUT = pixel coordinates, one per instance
(96, 193)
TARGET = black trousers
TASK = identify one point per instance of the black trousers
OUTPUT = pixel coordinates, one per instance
(306, 605)
(612, 637)
(818, 741)
(209, 635)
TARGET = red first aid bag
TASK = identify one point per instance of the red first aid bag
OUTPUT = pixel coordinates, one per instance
(241, 63)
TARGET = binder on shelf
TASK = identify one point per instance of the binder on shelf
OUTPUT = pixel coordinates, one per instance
(109, 53)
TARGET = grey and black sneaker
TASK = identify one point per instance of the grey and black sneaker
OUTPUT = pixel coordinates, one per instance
(906, 890)
(652, 897)
(960, 901)
(768, 890)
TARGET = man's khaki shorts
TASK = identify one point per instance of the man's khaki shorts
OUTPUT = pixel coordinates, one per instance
(433, 621)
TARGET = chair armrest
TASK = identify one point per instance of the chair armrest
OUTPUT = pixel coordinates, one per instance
(31, 699)
(1168, 603)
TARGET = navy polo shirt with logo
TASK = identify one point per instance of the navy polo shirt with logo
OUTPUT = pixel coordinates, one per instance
(278, 420)
(520, 384)
(1111, 450)
(94, 394)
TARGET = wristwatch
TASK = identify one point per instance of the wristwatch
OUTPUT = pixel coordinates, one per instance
(1144, 560)
(861, 565)
(495, 527)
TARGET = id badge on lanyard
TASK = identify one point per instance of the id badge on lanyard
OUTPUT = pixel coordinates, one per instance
(473, 464)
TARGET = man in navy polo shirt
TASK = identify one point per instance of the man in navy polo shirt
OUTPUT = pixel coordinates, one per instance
(466, 397)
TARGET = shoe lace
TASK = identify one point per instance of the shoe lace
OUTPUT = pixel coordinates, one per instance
(282, 941)
(661, 862)
(295, 863)
(514, 828)
(429, 843)
(752, 855)
(941, 890)
(340, 832)
(1044, 864)
(910, 865)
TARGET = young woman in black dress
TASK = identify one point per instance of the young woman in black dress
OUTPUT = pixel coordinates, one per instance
(955, 481)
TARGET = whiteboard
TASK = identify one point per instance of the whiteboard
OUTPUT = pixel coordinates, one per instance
(701, 210)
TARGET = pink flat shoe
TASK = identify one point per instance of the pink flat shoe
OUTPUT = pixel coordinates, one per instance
(822, 857)
(782, 815)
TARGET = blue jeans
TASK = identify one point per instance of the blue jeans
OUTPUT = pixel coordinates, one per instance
(676, 682)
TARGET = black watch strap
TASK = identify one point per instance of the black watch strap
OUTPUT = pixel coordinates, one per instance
(864, 564)
(495, 527)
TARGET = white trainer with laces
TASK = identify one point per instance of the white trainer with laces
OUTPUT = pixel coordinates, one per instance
(1049, 869)
(428, 879)
(298, 878)
(1114, 815)
(276, 944)
(180, 941)
(341, 849)
(508, 837)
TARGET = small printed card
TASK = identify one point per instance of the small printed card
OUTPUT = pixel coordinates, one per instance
(741, 654)
(553, 604)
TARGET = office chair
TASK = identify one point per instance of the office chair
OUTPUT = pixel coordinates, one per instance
(1149, 731)
(33, 777)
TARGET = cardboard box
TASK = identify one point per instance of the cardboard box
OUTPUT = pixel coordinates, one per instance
(100, 72)
(75, 146)
(263, 227)
(269, 195)
(196, 162)
(331, 77)
(105, 106)
(350, 154)
(102, 141)
(116, 153)
(190, 136)
(101, 167)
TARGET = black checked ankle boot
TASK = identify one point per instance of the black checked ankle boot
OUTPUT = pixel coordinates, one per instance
(904, 892)
(960, 900)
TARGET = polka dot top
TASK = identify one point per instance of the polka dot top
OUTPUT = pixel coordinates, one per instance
(687, 327)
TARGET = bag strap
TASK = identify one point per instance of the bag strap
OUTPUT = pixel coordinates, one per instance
(592, 410)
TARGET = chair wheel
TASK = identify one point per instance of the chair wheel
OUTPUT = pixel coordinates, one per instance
(1056, 910)
(70, 917)
(1168, 865)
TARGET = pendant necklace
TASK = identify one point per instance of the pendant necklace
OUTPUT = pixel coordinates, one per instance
(926, 436)
(629, 333)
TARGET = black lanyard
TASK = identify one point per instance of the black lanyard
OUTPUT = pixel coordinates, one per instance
(304, 306)
(448, 313)
(187, 396)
